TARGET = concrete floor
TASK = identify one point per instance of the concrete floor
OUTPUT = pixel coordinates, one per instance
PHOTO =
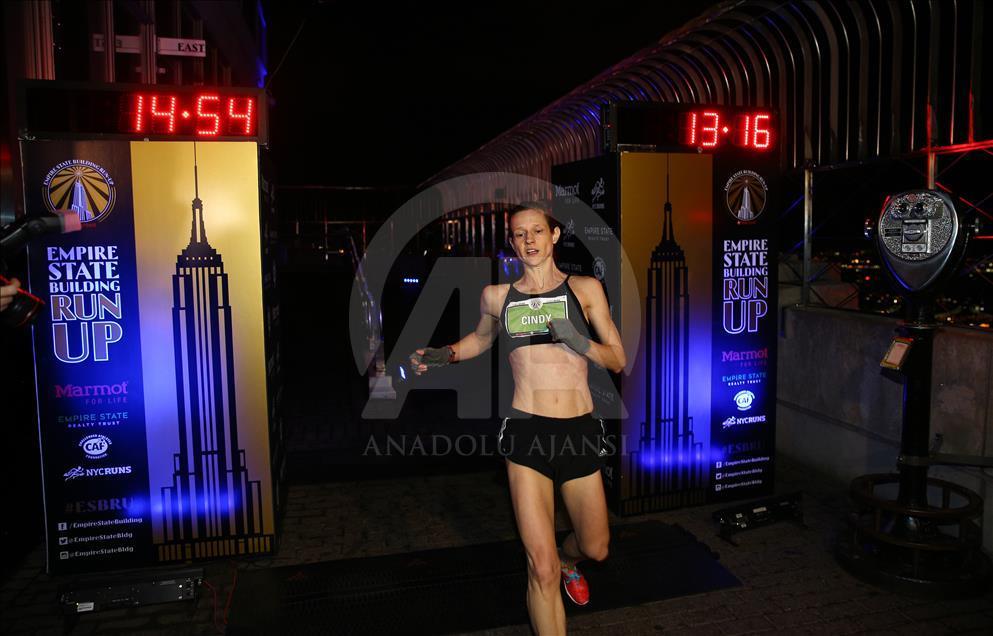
(791, 582)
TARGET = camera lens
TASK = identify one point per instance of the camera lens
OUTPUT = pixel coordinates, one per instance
(22, 310)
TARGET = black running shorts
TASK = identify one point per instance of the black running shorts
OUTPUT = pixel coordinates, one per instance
(558, 448)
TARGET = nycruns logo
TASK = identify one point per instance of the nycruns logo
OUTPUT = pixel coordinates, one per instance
(109, 471)
(598, 190)
(737, 356)
(738, 421)
(93, 390)
(81, 186)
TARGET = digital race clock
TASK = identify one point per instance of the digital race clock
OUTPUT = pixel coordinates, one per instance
(66, 109)
(201, 114)
(687, 127)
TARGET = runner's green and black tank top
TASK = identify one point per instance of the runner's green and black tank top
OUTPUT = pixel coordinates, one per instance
(524, 318)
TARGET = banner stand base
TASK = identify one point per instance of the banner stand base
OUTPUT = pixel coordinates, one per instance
(127, 589)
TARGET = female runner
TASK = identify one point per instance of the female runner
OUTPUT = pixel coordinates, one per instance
(551, 437)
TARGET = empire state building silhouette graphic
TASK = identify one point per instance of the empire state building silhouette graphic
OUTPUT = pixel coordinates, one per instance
(666, 470)
(212, 508)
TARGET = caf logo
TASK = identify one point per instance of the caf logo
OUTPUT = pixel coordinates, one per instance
(599, 268)
(81, 186)
(743, 400)
(95, 446)
(746, 193)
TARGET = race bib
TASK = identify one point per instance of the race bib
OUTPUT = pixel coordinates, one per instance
(530, 317)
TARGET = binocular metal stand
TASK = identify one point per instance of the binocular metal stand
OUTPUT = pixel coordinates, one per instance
(912, 542)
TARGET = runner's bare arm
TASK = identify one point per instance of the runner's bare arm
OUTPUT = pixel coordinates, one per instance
(608, 352)
(479, 340)
(487, 330)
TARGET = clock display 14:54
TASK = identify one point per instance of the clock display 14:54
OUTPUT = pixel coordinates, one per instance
(200, 114)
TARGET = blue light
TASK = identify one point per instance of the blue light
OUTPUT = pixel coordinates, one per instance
(662, 460)
(263, 72)
(511, 266)
(410, 280)
(139, 506)
(258, 9)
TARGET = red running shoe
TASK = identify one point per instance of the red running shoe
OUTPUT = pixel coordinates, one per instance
(575, 585)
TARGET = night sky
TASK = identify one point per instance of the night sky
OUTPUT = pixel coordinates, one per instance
(376, 96)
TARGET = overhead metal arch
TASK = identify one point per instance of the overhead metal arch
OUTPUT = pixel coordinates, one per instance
(731, 79)
(620, 85)
(851, 81)
(648, 89)
(859, 55)
(786, 84)
(767, 73)
(695, 73)
(799, 125)
(674, 76)
(750, 78)
(585, 130)
(813, 15)
(664, 91)
(709, 77)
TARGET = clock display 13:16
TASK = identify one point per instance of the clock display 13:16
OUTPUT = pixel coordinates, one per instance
(713, 128)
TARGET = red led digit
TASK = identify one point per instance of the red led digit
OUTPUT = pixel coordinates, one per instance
(244, 117)
(138, 122)
(213, 120)
(687, 128)
(692, 128)
(168, 115)
(760, 134)
(744, 129)
(711, 141)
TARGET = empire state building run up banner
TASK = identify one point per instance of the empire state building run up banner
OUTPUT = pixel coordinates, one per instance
(149, 355)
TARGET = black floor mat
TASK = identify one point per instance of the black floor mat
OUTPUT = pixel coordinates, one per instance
(463, 589)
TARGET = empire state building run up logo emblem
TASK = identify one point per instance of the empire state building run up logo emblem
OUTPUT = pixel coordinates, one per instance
(746, 192)
(80, 186)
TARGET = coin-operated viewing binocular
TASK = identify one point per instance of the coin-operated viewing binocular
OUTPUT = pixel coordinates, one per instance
(927, 539)
(921, 240)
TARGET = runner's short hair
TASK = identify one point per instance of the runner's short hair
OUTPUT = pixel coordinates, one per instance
(539, 206)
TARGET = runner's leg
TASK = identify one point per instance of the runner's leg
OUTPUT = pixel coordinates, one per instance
(534, 507)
